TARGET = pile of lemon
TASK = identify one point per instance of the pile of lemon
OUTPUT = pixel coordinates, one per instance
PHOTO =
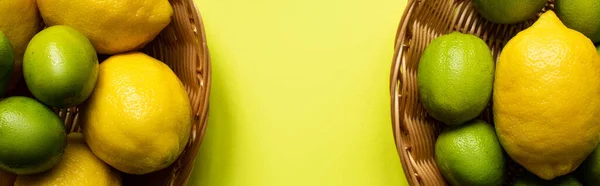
(544, 90)
(135, 113)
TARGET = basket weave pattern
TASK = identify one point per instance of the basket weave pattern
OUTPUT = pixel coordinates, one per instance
(415, 132)
(182, 46)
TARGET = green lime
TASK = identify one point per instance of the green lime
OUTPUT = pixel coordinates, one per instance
(580, 15)
(455, 77)
(508, 11)
(529, 179)
(589, 170)
(7, 59)
(60, 66)
(470, 154)
(32, 137)
(568, 180)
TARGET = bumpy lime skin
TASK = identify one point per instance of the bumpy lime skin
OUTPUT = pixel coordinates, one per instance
(60, 67)
(32, 137)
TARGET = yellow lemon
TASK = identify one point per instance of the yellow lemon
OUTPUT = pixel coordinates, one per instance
(113, 26)
(20, 21)
(547, 98)
(138, 119)
(78, 166)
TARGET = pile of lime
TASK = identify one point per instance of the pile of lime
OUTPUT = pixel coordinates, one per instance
(543, 91)
(130, 105)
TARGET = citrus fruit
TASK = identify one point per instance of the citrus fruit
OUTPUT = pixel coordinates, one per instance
(546, 102)
(566, 181)
(20, 21)
(470, 154)
(113, 26)
(580, 15)
(138, 109)
(455, 76)
(589, 170)
(60, 66)
(508, 11)
(32, 137)
(6, 62)
(78, 166)
(528, 179)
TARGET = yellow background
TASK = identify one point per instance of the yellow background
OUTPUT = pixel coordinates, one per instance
(299, 93)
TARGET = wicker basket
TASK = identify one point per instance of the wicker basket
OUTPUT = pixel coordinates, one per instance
(414, 131)
(182, 46)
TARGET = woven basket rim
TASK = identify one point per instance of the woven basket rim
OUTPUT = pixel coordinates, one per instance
(394, 82)
(208, 77)
(202, 115)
